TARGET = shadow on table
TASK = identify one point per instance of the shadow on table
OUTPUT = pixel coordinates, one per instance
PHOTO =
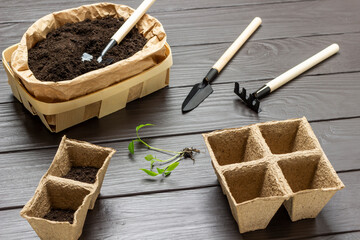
(281, 227)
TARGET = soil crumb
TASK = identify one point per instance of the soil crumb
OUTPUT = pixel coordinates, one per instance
(58, 56)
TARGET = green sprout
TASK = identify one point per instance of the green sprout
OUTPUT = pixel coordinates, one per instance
(163, 167)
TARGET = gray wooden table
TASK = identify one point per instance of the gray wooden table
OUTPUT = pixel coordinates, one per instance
(190, 204)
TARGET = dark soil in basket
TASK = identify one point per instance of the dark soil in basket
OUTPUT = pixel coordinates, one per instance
(60, 215)
(58, 56)
(82, 174)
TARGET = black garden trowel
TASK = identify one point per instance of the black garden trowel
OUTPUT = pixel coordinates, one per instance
(122, 32)
(202, 90)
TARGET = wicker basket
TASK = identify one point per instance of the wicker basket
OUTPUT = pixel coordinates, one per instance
(59, 116)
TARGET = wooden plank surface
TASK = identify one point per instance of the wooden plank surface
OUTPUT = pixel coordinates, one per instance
(216, 25)
(338, 139)
(41, 8)
(341, 236)
(190, 204)
(305, 96)
(166, 215)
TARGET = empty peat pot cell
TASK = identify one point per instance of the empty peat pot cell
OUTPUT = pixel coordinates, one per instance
(308, 172)
(79, 161)
(313, 182)
(53, 197)
(254, 195)
(235, 146)
(250, 182)
(287, 136)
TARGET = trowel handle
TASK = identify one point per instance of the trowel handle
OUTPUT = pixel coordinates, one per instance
(230, 52)
(302, 67)
(132, 20)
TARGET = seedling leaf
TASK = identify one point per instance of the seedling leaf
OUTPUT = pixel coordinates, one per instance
(151, 173)
(131, 147)
(149, 157)
(160, 171)
(143, 125)
(172, 166)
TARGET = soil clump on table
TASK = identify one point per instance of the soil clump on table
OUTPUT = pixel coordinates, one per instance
(58, 56)
(82, 174)
(60, 215)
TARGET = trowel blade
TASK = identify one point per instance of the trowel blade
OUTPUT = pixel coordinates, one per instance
(197, 94)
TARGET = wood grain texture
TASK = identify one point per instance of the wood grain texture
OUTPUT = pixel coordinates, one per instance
(305, 96)
(216, 25)
(190, 204)
(338, 139)
(198, 214)
(341, 236)
(261, 59)
(41, 8)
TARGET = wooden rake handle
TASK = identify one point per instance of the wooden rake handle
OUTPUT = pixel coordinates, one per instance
(302, 67)
(230, 52)
(132, 20)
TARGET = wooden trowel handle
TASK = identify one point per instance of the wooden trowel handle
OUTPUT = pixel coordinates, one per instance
(230, 52)
(132, 20)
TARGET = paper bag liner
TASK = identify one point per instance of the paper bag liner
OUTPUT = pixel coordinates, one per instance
(152, 53)
(291, 169)
(57, 192)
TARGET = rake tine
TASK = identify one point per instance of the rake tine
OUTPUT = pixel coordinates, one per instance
(236, 89)
(256, 106)
(243, 94)
(251, 101)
